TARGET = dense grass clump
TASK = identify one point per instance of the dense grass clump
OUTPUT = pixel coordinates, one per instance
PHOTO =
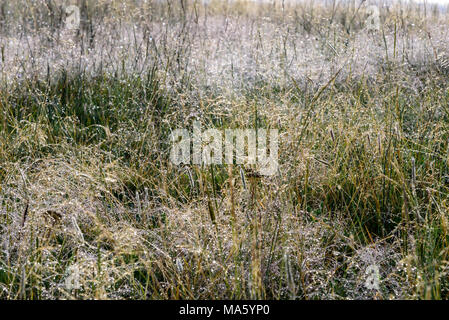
(92, 207)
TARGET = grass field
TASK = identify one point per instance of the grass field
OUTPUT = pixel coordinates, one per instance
(91, 207)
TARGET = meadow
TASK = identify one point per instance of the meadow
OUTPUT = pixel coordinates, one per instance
(91, 207)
